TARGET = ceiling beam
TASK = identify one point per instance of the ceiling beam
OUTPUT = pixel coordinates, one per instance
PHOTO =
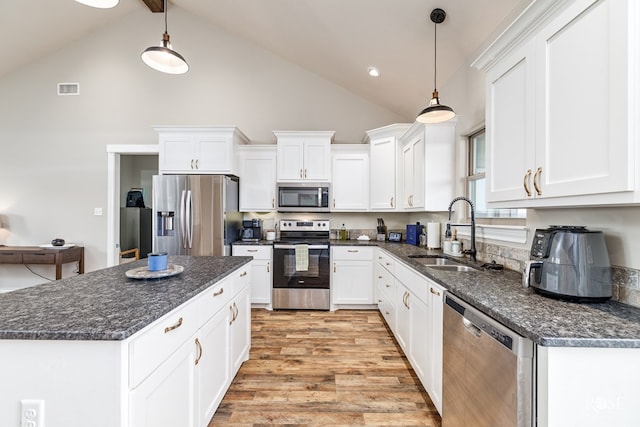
(155, 5)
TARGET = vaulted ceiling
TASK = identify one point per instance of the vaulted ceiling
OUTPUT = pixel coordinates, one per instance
(335, 39)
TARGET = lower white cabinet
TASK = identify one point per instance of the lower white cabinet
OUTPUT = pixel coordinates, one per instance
(412, 307)
(352, 275)
(261, 272)
(186, 388)
(167, 397)
(434, 345)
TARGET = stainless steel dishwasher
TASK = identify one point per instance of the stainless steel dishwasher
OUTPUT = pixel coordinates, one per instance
(488, 371)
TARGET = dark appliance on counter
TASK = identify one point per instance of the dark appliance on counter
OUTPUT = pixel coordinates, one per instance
(303, 197)
(569, 262)
(195, 214)
(135, 198)
(301, 265)
(251, 230)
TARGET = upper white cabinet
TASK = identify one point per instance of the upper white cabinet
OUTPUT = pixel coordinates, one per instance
(350, 177)
(257, 172)
(383, 147)
(304, 155)
(562, 100)
(198, 150)
(428, 166)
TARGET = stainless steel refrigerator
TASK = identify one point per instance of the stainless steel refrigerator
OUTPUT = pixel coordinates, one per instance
(195, 214)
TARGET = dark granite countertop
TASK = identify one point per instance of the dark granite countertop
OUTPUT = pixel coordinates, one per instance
(105, 304)
(258, 243)
(548, 322)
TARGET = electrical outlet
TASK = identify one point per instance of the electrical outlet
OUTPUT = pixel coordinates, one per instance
(32, 413)
(97, 211)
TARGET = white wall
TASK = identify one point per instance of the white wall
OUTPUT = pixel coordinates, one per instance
(53, 163)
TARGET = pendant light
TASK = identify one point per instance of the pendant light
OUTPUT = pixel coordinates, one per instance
(102, 4)
(164, 58)
(436, 112)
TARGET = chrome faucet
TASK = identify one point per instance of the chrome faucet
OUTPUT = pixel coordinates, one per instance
(472, 251)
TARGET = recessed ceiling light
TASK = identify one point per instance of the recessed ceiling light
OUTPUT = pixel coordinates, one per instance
(373, 72)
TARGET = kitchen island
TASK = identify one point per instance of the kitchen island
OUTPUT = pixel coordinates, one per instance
(104, 350)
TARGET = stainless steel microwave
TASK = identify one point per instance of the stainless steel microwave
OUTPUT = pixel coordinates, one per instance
(303, 197)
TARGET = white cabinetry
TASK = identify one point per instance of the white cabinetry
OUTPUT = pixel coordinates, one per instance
(198, 150)
(412, 307)
(304, 155)
(352, 275)
(350, 177)
(434, 345)
(257, 172)
(383, 146)
(261, 272)
(562, 106)
(428, 165)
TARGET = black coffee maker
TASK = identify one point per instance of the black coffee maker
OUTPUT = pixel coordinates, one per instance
(251, 230)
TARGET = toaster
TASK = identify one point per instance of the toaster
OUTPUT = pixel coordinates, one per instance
(569, 262)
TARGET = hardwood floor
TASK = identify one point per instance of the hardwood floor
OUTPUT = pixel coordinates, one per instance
(324, 368)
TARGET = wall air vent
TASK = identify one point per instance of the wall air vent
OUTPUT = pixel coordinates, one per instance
(68, 88)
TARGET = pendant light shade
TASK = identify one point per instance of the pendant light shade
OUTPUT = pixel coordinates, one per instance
(163, 58)
(102, 4)
(436, 112)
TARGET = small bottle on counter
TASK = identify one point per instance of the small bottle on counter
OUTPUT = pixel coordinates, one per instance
(343, 233)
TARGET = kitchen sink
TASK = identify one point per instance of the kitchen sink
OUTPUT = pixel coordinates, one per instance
(433, 260)
(453, 267)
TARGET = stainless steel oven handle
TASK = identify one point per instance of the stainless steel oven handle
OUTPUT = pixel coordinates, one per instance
(294, 246)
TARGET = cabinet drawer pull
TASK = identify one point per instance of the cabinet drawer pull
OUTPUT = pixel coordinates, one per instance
(387, 285)
(252, 250)
(379, 301)
(387, 263)
(379, 277)
(268, 267)
(244, 273)
(174, 326)
(218, 293)
(525, 183)
(352, 250)
(434, 292)
(536, 177)
(199, 351)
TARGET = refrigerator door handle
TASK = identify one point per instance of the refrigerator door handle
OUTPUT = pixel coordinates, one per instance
(183, 236)
(189, 218)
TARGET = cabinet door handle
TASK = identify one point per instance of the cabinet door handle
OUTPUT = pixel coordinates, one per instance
(387, 285)
(273, 203)
(379, 301)
(244, 273)
(301, 173)
(199, 346)
(197, 167)
(525, 183)
(174, 326)
(191, 163)
(218, 293)
(235, 308)
(536, 177)
(434, 292)
(233, 317)
(334, 267)
(268, 267)
(392, 202)
(379, 277)
(305, 174)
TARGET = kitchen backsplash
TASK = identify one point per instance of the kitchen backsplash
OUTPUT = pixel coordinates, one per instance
(626, 281)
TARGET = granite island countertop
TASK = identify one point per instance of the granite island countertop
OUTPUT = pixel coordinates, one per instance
(546, 321)
(105, 304)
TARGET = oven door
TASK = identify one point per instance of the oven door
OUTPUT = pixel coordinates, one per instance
(287, 276)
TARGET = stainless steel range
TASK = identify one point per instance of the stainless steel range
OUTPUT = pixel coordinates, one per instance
(301, 265)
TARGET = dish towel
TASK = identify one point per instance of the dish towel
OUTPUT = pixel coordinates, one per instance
(302, 257)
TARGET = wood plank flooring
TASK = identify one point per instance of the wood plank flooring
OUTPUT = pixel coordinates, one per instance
(340, 368)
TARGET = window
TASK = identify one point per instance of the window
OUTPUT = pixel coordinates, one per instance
(476, 181)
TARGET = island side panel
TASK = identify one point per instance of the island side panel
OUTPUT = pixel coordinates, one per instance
(588, 387)
(80, 382)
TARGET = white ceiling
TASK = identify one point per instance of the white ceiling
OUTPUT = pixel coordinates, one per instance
(336, 39)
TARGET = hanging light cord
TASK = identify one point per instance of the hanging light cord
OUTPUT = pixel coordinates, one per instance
(165, 16)
(435, 56)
